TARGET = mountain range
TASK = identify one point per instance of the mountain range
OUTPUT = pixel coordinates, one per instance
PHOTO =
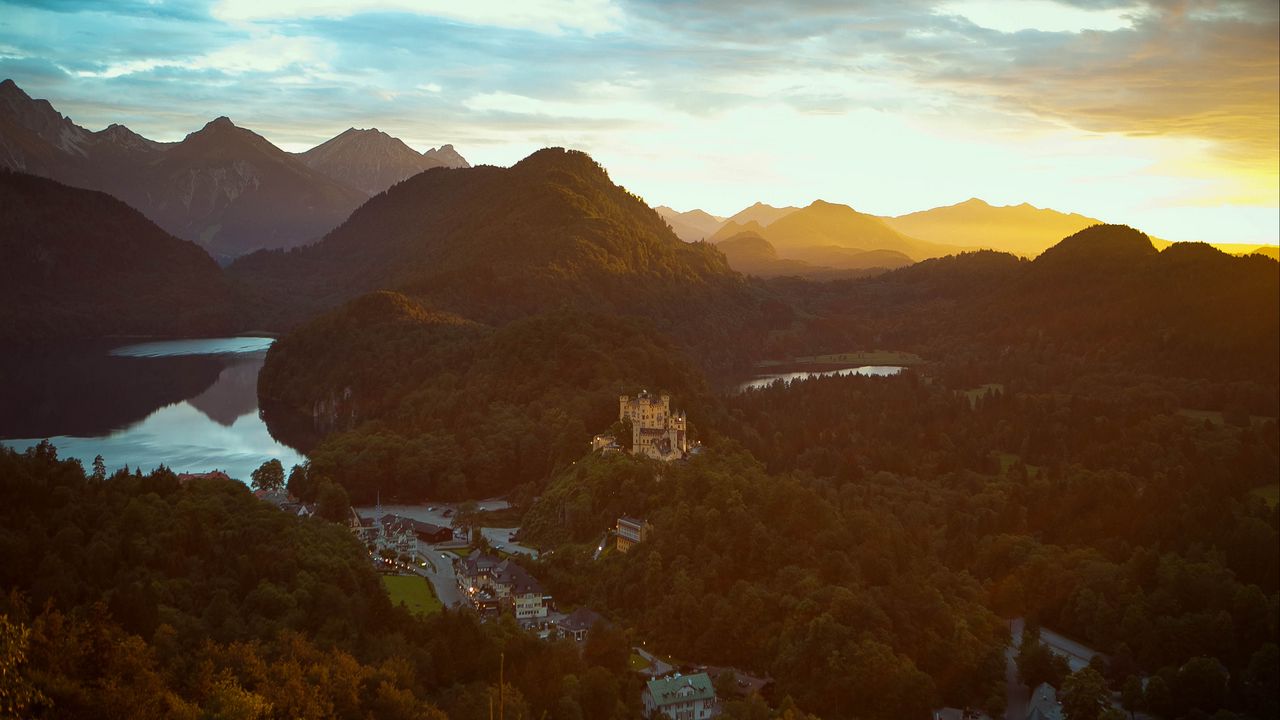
(1024, 230)
(223, 186)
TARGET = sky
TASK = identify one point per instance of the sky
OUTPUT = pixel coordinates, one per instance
(1161, 115)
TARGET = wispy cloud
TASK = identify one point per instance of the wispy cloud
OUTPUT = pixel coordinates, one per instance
(547, 16)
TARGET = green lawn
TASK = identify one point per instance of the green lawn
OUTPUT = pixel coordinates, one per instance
(414, 591)
(460, 552)
(1269, 493)
(638, 663)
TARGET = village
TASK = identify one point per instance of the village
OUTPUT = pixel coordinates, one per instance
(444, 555)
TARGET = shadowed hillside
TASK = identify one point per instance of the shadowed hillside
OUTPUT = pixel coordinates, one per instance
(78, 264)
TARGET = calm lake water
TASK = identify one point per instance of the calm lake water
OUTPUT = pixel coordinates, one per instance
(866, 370)
(189, 404)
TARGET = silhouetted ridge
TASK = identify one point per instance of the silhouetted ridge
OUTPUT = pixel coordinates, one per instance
(1100, 247)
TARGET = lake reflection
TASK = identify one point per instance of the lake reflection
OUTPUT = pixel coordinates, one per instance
(764, 381)
(189, 404)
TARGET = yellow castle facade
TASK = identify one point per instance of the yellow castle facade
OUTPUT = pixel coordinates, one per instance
(656, 430)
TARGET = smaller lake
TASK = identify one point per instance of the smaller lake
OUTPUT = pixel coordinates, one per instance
(764, 381)
(191, 405)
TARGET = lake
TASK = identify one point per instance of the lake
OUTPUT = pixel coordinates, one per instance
(191, 405)
(762, 381)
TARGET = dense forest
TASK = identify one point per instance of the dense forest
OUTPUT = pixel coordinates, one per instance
(78, 264)
(888, 522)
(138, 596)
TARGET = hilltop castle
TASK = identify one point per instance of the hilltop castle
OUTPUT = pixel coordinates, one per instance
(656, 431)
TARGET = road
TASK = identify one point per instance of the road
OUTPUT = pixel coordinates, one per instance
(502, 536)
(1077, 655)
(658, 668)
(440, 572)
(1017, 695)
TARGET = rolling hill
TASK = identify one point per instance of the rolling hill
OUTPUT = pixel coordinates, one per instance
(830, 231)
(750, 254)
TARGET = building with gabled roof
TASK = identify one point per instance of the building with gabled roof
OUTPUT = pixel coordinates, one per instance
(481, 575)
(1044, 704)
(681, 697)
(578, 623)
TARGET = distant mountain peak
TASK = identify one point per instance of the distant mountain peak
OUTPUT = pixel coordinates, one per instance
(121, 136)
(372, 161)
(447, 156)
(40, 117)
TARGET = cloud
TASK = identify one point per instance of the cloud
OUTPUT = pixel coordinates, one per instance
(1010, 16)
(548, 16)
(1178, 72)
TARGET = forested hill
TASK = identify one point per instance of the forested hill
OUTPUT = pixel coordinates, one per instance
(78, 264)
(421, 404)
(1103, 298)
(495, 244)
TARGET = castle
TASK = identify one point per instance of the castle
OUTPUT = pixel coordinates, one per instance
(656, 431)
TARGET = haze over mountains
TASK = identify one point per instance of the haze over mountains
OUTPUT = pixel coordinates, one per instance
(223, 186)
(823, 241)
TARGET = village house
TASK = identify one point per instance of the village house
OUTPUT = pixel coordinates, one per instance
(631, 531)
(491, 583)
(577, 624)
(1044, 704)
(681, 697)
(389, 534)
